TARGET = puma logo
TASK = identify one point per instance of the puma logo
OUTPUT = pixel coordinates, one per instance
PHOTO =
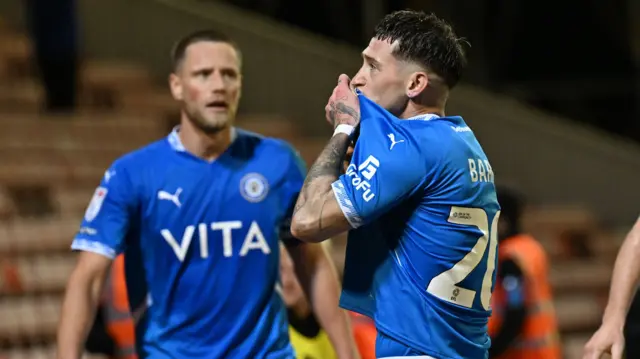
(173, 197)
(392, 137)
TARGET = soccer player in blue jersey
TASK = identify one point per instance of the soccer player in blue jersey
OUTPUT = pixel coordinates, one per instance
(199, 216)
(418, 196)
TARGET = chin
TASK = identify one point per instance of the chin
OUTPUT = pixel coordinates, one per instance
(215, 125)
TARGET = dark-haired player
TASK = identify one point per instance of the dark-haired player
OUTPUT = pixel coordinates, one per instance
(199, 216)
(418, 196)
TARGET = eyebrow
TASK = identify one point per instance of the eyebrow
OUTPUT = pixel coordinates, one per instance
(202, 69)
(370, 59)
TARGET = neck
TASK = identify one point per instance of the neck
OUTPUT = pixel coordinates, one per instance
(432, 101)
(411, 111)
(208, 146)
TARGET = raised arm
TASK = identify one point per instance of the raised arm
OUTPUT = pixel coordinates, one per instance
(317, 215)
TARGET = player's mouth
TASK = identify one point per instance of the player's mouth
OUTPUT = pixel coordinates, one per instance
(217, 106)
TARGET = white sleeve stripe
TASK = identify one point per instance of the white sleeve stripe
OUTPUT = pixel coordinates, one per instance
(347, 207)
(81, 244)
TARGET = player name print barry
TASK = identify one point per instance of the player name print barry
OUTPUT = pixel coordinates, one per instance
(480, 170)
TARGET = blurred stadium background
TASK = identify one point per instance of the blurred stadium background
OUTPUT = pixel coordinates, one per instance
(553, 93)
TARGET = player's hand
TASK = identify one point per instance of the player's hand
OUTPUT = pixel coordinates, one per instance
(609, 339)
(347, 158)
(343, 106)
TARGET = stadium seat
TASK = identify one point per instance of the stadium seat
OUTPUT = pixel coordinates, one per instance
(43, 273)
(72, 201)
(553, 220)
(114, 73)
(7, 206)
(15, 55)
(82, 124)
(45, 150)
(578, 313)
(607, 244)
(153, 101)
(37, 235)
(104, 83)
(24, 96)
(566, 232)
(28, 319)
(38, 174)
(40, 352)
(10, 282)
(580, 276)
(573, 346)
(36, 352)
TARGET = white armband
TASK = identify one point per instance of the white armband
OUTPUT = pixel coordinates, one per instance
(346, 129)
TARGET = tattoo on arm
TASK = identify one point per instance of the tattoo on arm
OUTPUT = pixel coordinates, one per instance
(316, 190)
(343, 114)
(323, 173)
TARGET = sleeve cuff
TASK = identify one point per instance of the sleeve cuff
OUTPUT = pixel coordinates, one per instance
(347, 207)
(85, 245)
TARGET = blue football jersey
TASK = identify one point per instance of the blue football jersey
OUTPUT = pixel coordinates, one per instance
(420, 260)
(201, 244)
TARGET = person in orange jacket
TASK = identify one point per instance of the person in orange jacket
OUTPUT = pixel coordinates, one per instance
(365, 333)
(523, 324)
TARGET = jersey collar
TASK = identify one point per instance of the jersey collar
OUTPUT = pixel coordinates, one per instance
(424, 117)
(176, 144)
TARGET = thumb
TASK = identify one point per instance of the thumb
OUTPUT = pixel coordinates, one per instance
(344, 80)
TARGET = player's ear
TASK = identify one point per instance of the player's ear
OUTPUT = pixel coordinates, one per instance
(417, 84)
(175, 84)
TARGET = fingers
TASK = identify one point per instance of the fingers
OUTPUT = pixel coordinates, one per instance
(344, 80)
(593, 354)
(616, 351)
(344, 84)
(350, 150)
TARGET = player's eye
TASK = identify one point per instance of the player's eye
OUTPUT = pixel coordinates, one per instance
(203, 73)
(230, 74)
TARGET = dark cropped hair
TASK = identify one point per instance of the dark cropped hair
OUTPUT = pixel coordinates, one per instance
(180, 47)
(425, 39)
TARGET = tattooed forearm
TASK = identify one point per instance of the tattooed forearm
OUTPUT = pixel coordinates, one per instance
(317, 189)
(343, 114)
(317, 214)
(324, 171)
(329, 161)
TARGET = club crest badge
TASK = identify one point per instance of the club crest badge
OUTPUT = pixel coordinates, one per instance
(254, 187)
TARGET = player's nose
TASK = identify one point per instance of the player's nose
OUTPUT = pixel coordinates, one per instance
(216, 82)
(358, 81)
